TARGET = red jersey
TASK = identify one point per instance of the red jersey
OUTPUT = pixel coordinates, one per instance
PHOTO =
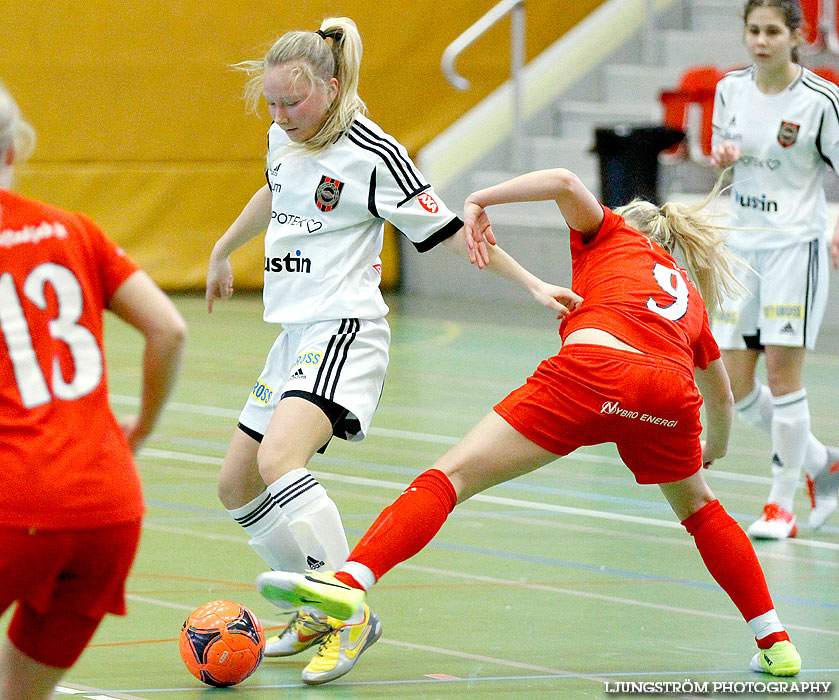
(65, 460)
(633, 289)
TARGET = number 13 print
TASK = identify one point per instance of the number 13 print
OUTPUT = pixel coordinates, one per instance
(87, 358)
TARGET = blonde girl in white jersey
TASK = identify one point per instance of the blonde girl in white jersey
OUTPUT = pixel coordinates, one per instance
(333, 177)
(777, 123)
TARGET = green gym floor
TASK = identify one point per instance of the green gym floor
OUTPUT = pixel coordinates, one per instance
(561, 584)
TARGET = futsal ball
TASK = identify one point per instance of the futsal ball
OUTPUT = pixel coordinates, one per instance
(222, 643)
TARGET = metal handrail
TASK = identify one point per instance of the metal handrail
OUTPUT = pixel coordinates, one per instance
(515, 8)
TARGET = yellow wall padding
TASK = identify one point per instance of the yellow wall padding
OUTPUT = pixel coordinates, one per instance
(141, 125)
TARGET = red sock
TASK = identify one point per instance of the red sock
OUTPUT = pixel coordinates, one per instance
(770, 639)
(344, 577)
(730, 558)
(405, 527)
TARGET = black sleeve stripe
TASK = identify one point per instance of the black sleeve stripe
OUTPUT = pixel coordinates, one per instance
(831, 95)
(823, 82)
(819, 143)
(392, 147)
(447, 231)
(413, 194)
(390, 166)
(371, 196)
(402, 185)
(405, 176)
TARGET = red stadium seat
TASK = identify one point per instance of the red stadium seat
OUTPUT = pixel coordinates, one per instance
(811, 12)
(696, 87)
(827, 73)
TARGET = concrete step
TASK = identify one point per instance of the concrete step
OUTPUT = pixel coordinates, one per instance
(579, 119)
(559, 152)
(716, 15)
(683, 49)
(637, 82)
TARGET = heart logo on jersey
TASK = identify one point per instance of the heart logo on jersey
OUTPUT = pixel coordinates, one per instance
(328, 193)
(313, 225)
(788, 133)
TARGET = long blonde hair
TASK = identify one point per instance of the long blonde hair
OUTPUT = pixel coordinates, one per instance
(15, 131)
(334, 51)
(709, 261)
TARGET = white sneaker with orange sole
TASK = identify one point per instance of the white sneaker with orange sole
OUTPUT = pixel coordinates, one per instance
(775, 523)
(823, 488)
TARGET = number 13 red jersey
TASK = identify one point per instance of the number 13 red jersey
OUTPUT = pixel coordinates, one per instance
(65, 461)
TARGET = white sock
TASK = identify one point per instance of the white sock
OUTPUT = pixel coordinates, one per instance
(766, 624)
(756, 409)
(790, 428)
(270, 535)
(313, 519)
(360, 573)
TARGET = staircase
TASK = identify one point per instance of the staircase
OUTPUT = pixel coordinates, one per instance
(622, 90)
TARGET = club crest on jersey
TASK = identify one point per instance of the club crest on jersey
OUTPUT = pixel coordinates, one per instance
(788, 133)
(328, 193)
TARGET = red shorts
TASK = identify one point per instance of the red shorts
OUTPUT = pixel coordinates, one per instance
(590, 394)
(65, 581)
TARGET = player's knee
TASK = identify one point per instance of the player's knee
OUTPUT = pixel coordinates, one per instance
(236, 489)
(276, 462)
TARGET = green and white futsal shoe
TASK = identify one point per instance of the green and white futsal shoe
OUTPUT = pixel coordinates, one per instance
(303, 631)
(781, 659)
(320, 589)
(340, 649)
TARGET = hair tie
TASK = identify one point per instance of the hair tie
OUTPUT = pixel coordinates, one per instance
(320, 34)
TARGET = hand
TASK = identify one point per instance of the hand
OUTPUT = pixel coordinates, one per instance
(710, 453)
(725, 154)
(219, 280)
(559, 299)
(708, 463)
(479, 234)
(131, 427)
(834, 249)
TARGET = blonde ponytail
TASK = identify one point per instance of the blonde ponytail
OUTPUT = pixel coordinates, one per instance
(333, 51)
(710, 263)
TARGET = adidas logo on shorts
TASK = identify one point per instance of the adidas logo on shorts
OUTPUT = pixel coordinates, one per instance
(788, 329)
(313, 563)
(299, 374)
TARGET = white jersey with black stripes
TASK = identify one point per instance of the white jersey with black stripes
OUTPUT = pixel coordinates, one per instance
(777, 195)
(327, 223)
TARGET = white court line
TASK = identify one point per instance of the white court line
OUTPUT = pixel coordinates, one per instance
(497, 500)
(384, 640)
(431, 438)
(509, 583)
(81, 691)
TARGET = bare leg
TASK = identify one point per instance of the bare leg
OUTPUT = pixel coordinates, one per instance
(23, 678)
(489, 454)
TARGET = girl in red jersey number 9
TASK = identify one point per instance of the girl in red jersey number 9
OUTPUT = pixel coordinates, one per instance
(625, 374)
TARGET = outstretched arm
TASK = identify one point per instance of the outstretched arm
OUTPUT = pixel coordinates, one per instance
(253, 220)
(140, 302)
(577, 204)
(559, 299)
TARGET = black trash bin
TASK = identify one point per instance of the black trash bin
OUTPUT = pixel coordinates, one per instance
(629, 161)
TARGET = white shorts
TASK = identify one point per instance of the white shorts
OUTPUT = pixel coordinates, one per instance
(338, 365)
(787, 299)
